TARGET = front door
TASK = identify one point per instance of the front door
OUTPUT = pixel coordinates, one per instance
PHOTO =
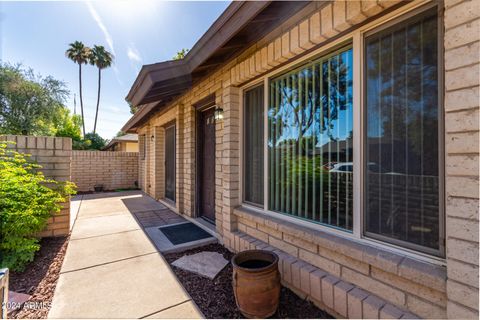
(206, 165)
(170, 163)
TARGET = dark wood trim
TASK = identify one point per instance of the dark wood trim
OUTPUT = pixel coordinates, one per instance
(206, 102)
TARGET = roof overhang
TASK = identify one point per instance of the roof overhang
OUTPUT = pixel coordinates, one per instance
(239, 26)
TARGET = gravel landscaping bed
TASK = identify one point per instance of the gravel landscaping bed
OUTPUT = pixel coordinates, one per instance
(216, 299)
(39, 279)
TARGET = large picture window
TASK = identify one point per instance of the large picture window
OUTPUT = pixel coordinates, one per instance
(308, 141)
(402, 130)
(310, 147)
(253, 145)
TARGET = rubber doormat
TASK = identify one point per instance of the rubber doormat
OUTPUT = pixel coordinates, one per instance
(184, 232)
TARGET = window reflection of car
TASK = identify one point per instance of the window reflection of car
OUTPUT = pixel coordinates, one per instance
(348, 167)
(329, 166)
(342, 167)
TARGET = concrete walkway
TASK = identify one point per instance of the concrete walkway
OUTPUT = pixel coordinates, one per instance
(112, 270)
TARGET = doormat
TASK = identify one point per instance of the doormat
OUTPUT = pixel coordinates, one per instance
(183, 233)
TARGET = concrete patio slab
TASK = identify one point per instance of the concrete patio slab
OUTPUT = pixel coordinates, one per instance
(111, 268)
(187, 310)
(116, 204)
(131, 288)
(104, 195)
(94, 251)
(104, 225)
(75, 202)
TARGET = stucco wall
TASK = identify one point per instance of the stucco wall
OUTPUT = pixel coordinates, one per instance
(54, 155)
(346, 278)
(112, 169)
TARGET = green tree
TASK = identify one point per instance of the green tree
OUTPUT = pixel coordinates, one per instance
(79, 53)
(180, 54)
(95, 141)
(68, 125)
(29, 104)
(133, 109)
(103, 59)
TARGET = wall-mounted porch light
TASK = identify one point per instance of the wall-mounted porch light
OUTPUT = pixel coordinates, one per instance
(218, 113)
(152, 137)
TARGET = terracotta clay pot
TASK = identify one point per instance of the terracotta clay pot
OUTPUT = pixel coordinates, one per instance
(256, 283)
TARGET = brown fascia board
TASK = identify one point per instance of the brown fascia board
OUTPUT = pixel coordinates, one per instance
(150, 74)
(130, 126)
(236, 16)
(233, 19)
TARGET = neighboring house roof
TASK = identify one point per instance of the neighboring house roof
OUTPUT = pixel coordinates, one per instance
(129, 137)
(240, 25)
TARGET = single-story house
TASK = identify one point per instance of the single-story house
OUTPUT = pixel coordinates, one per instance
(128, 143)
(237, 133)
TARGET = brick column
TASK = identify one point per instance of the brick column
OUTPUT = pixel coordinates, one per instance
(231, 162)
(158, 161)
(179, 152)
(189, 160)
(219, 156)
(462, 72)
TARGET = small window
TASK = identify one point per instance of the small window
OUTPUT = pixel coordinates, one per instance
(402, 134)
(253, 145)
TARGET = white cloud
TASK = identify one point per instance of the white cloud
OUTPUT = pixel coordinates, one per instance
(133, 54)
(107, 35)
(98, 20)
(135, 57)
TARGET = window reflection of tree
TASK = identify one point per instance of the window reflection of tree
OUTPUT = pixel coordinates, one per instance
(304, 112)
(402, 132)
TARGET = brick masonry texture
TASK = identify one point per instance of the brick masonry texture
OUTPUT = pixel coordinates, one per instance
(114, 170)
(462, 82)
(54, 155)
(340, 298)
(363, 281)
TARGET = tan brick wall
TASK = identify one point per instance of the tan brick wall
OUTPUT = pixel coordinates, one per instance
(462, 83)
(54, 155)
(112, 169)
(359, 281)
(418, 287)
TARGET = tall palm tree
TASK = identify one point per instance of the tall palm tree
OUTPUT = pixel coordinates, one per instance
(103, 59)
(79, 53)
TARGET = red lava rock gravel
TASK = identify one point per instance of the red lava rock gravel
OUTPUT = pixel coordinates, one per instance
(216, 299)
(39, 279)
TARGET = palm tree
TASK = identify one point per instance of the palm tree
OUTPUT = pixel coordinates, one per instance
(103, 59)
(79, 53)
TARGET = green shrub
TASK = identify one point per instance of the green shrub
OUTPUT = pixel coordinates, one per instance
(27, 200)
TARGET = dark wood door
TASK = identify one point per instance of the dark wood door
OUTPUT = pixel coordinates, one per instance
(170, 163)
(206, 165)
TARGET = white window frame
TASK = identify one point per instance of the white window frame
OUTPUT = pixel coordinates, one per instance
(356, 39)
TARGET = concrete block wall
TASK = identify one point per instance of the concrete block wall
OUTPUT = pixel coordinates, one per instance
(462, 113)
(114, 170)
(54, 155)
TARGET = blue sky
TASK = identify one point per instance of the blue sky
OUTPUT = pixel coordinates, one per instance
(138, 32)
